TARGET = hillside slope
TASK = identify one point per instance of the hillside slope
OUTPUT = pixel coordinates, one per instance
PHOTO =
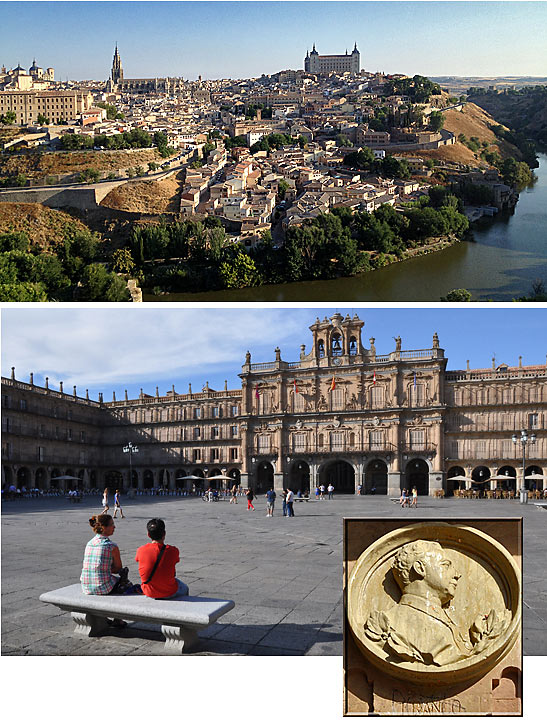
(524, 111)
(44, 226)
(37, 164)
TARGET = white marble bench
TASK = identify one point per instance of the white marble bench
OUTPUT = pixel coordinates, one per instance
(181, 617)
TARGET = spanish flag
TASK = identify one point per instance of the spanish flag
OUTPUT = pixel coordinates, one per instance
(333, 384)
(257, 394)
(374, 379)
(295, 386)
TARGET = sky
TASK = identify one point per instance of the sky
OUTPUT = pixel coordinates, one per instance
(113, 349)
(246, 39)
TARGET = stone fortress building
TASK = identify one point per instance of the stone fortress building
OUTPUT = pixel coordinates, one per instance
(342, 413)
(325, 64)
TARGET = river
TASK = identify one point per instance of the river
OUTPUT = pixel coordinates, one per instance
(507, 255)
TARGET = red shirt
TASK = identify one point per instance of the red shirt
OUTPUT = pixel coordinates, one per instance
(163, 581)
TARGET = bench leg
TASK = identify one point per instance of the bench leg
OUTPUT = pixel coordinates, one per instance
(89, 625)
(178, 639)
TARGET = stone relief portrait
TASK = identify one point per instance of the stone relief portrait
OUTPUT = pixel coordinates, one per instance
(435, 600)
(421, 627)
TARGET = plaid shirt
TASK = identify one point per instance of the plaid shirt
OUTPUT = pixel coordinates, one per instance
(97, 578)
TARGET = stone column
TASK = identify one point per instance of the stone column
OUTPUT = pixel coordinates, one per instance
(393, 483)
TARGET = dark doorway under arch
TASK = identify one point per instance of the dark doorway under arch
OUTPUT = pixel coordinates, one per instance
(264, 477)
(299, 477)
(148, 479)
(341, 474)
(417, 474)
(480, 476)
(376, 477)
(509, 482)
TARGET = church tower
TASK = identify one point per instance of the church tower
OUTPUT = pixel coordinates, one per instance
(116, 74)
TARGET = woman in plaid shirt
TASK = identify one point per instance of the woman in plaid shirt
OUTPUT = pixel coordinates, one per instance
(102, 558)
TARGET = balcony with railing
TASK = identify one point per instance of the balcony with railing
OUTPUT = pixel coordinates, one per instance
(339, 447)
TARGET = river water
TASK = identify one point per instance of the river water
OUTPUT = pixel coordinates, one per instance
(507, 255)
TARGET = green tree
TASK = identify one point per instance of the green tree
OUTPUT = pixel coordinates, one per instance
(8, 118)
(282, 188)
(22, 292)
(458, 295)
(42, 119)
(15, 240)
(241, 272)
(122, 261)
(98, 283)
(436, 121)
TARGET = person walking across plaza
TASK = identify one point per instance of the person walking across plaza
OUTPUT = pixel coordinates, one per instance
(284, 499)
(270, 502)
(290, 501)
(322, 492)
(157, 561)
(414, 503)
(403, 500)
(330, 491)
(117, 505)
(106, 507)
(250, 497)
(317, 493)
(233, 499)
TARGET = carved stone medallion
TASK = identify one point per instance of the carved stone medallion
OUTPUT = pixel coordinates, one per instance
(435, 603)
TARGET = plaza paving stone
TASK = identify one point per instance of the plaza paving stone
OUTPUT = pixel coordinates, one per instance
(284, 574)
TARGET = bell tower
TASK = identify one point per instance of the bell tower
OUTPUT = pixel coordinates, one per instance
(337, 340)
(116, 74)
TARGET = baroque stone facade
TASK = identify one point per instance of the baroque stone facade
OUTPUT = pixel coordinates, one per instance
(342, 413)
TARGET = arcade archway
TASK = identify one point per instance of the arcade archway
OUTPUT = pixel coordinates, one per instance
(479, 477)
(454, 485)
(509, 480)
(148, 479)
(341, 474)
(264, 477)
(299, 477)
(376, 477)
(534, 483)
(417, 474)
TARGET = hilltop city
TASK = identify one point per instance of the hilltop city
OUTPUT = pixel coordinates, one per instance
(225, 176)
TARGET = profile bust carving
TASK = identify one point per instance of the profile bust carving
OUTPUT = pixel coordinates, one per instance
(435, 600)
(421, 627)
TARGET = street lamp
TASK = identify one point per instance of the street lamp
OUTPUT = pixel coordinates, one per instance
(524, 439)
(130, 448)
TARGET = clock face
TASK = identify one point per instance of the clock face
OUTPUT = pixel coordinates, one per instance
(336, 361)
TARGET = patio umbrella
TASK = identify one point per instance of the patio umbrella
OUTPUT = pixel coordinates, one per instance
(66, 478)
(190, 478)
(534, 477)
(459, 478)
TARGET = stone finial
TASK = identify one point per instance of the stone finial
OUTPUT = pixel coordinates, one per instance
(278, 354)
(520, 361)
(100, 398)
(435, 340)
(87, 394)
(173, 389)
(157, 392)
(467, 367)
(32, 379)
(74, 391)
(494, 363)
(226, 385)
(302, 351)
(61, 387)
(372, 346)
(113, 396)
(47, 383)
(13, 373)
(247, 358)
(206, 386)
(141, 394)
(190, 388)
(126, 398)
